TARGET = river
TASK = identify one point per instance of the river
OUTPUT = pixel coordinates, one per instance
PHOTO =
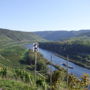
(77, 70)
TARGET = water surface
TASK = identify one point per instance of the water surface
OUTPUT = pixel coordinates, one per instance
(77, 70)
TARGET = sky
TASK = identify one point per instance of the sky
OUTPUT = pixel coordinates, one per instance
(39, 15)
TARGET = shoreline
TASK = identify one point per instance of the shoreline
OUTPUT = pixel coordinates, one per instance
(73, 61)
(70, 60)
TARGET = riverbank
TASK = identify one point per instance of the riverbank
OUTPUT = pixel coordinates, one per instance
(71, 60)
(79, 54)
(60, 73)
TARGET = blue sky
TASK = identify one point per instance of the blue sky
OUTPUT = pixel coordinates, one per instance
(39, 15)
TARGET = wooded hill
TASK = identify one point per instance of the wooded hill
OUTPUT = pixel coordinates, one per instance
(77, 49)
(60, 35)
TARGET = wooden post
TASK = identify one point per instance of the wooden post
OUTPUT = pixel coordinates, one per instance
(67, 70)
(35, 65)
(51, 75)
(35, 50)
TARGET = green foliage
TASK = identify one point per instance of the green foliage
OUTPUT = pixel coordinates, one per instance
(16, 36)
(58, 78)
(73, 82)
(63, 35)
(12, 56)
(41, 62)
(17, 64)
(16, 58)
(23, 80)
(22, 75)
(85, 80)
(14, 85)
(3, 72)
(77, 51)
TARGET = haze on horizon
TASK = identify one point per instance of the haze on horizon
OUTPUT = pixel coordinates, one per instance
(47, 15)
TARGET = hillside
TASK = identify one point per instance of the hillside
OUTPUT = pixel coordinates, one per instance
(60, 35)
(83, 38)
(9, 37)
(17, 72)
(17, 65)
(77, 49)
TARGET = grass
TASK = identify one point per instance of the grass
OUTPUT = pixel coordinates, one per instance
(11, 56)
(14, 85)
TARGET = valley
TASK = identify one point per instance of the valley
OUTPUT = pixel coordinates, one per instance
(17, 61)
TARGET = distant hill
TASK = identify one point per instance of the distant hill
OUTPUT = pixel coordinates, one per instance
(83, 37)
(85, 34)
(19, 36)
(60, 35)
(9, 37)
(76, 48)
